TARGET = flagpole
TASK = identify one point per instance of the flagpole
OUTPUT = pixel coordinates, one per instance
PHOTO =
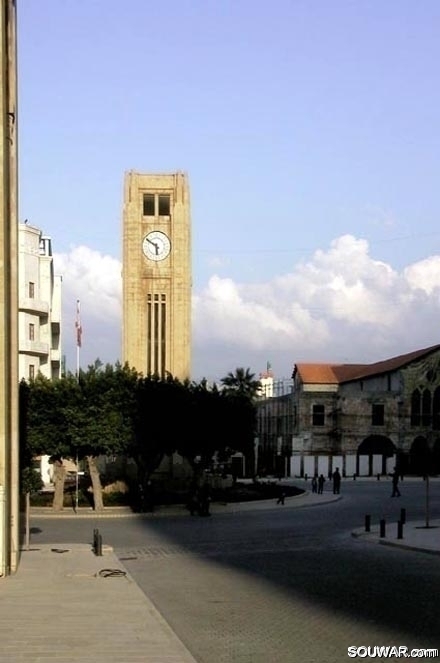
(78, 329)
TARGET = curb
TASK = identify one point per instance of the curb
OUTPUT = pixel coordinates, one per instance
(181, 510)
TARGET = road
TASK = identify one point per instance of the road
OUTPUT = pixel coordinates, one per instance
(280, 585)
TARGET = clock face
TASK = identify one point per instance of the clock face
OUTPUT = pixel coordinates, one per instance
(156, 245)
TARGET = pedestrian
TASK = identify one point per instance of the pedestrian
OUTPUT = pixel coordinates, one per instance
(193, 503)
(204, 500)
(315, 484)
(282, 496)
(336, 482)
(395, 479)
(321, 481)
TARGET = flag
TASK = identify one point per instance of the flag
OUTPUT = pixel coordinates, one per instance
(78, 326)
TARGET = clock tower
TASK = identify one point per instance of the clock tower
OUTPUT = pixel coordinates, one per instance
(156, 274)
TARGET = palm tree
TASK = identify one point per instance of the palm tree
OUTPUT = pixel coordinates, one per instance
(242, 382)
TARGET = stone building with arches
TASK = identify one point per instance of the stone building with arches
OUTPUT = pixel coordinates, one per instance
(367, 418)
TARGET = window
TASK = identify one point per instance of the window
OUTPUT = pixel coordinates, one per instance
(31, 332)
(149, 207)
(318, 418)
(416, 407)
(436, 409)
(31, 290)
(378, 414)
(164, 205)
(31, 371)
(426, 408)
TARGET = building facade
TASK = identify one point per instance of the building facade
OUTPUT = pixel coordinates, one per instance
(365, 419)
(39, 318)
(362, 418)
(156, 274)
(275, 425)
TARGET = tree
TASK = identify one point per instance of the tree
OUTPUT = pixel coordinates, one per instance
(243, 388)
(104, 417)
(159, 422)
(216, 424)
(44, 426)
(242, 382)
(199, 439)
(80, 417)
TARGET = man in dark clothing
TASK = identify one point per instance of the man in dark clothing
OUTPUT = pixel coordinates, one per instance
(282, 496)
(321, 481)
(395, 478)
(336, 482)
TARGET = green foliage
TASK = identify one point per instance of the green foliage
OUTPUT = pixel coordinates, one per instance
(31, 481)
(113, 410)
(241, 382)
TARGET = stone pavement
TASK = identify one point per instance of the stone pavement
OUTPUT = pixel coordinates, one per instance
(65, 604)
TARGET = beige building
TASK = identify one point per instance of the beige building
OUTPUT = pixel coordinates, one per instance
(39, 318)
(9, 483)
(362, 418)
(156, 274)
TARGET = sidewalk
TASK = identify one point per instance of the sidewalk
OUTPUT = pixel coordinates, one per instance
(59, 608)
(67, 605)
(415, 536)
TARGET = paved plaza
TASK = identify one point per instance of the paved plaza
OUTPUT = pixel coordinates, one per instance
(215, 590)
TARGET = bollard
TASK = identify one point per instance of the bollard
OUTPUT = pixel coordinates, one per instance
(382, 528)
(399, 529)
(367, 523)
(403, 516)
(97, 543)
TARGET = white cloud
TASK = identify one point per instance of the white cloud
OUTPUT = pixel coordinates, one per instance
(341, 305)
(425, 275)
(95, 280)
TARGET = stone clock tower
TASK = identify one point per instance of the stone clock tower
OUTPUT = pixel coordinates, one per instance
(156, 274)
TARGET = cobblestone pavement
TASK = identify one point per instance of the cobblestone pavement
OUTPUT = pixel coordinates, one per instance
(226, 614)
(284, 586)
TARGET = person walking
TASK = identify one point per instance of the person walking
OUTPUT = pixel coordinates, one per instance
(321, 481)
(282, 496)
(395, 479)
(336, 482)
(315, 484)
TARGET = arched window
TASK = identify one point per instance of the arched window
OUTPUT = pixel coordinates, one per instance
(415, 408)
(436, 409)
(426, 408)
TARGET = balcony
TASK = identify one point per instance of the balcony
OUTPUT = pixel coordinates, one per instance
(34, 348)
(55, 355)
(31, 305)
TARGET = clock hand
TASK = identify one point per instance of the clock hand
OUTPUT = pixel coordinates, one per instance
(156, 246)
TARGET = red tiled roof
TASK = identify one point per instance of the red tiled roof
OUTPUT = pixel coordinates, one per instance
(339, 373)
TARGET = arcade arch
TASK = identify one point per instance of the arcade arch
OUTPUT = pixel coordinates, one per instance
(372, 455)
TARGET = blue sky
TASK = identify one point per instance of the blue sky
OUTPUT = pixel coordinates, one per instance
(309, 131)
